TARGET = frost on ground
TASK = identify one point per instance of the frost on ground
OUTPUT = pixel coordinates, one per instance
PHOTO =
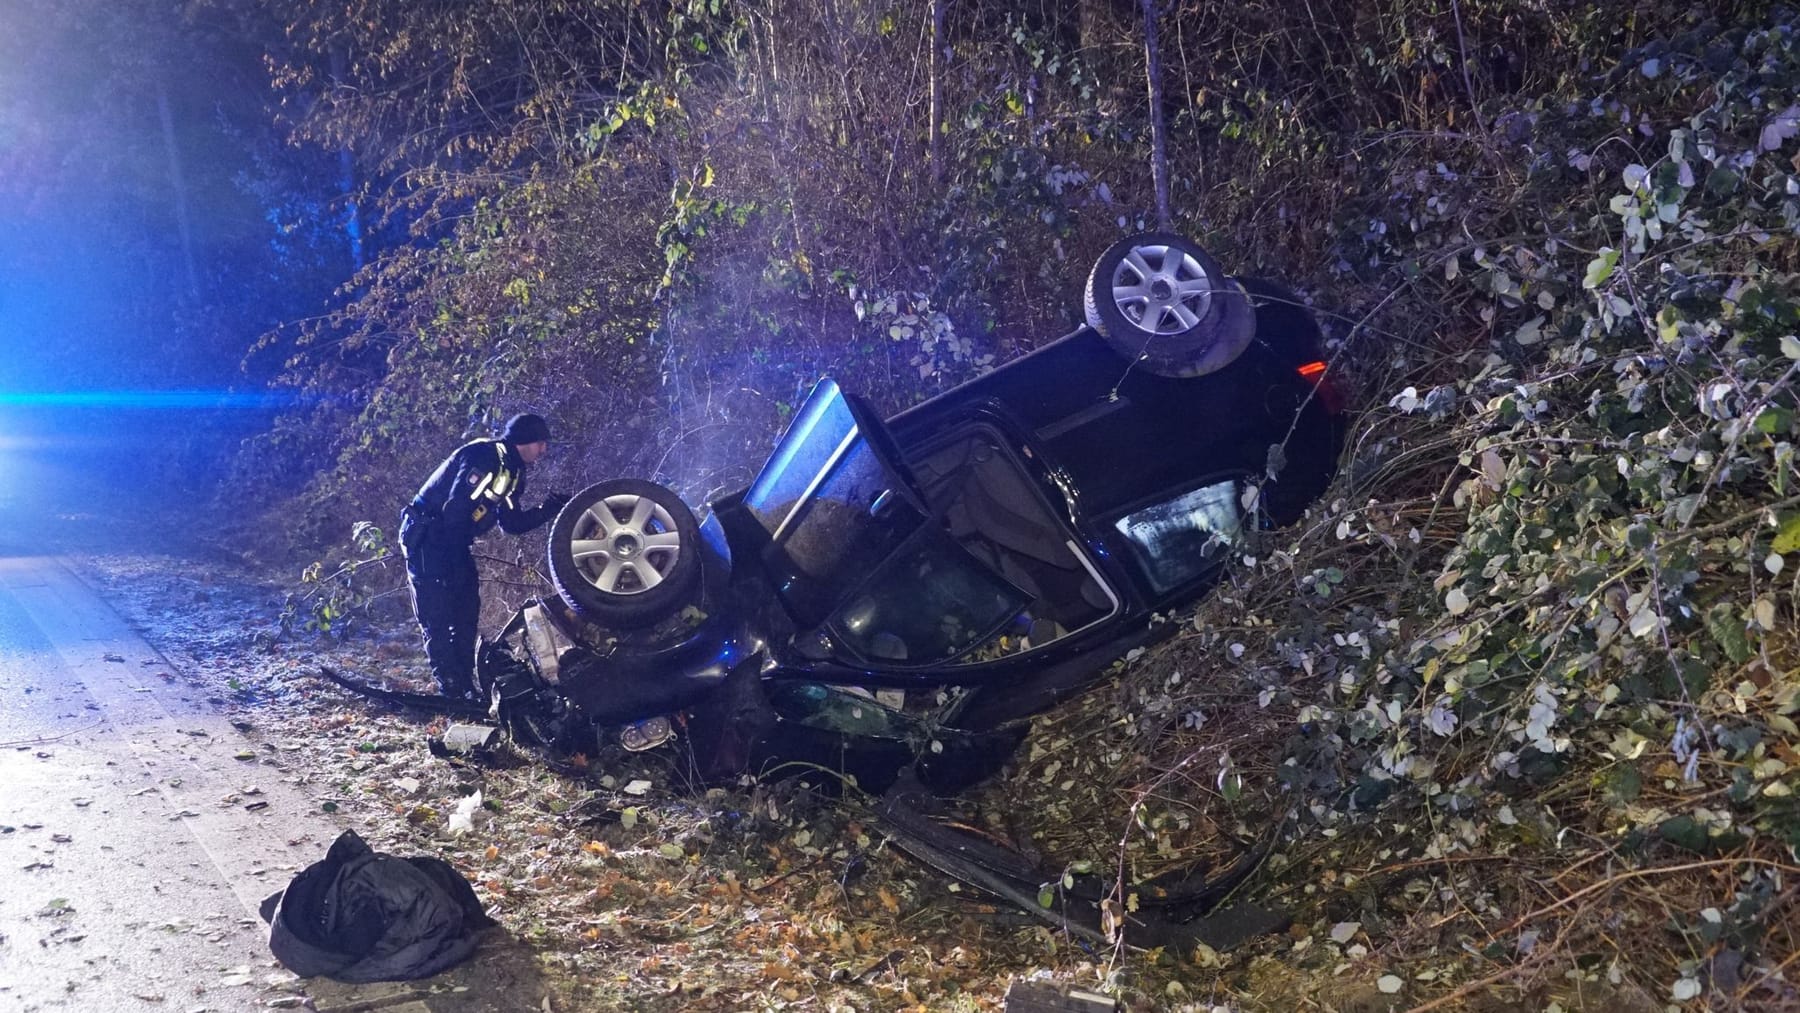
(668, 898)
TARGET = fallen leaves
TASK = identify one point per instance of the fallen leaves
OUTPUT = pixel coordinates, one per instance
(673, 895)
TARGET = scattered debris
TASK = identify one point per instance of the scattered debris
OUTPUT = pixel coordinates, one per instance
(464, 739)
(1042, 997)
(462, 821)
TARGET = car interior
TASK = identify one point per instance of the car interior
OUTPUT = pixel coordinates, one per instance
(984, 498)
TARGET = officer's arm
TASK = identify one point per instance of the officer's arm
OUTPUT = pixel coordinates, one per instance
(515, 521)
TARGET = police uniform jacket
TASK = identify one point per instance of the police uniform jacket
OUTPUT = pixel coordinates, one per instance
(476, 487)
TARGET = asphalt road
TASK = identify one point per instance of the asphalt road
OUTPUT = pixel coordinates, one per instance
(139, 831)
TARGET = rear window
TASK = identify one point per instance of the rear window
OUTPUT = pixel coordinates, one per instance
(1179, 540)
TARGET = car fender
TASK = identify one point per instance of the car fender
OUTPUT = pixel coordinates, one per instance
(628, 685)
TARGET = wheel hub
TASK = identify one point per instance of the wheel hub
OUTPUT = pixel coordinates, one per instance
(1162, 290)
(626, 544)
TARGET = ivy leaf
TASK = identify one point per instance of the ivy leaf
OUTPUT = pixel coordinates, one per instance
(1623, 785)
(1686, 507)
(1727, 630)
(1787, 537)
(1684, 832)
(1775, 419)
(1600, 268)
(1529, 332)
(1790, 347)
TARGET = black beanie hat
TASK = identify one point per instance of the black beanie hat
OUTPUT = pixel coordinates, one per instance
(526, 428)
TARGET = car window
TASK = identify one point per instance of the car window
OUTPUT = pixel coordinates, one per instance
(835, 502)
(822, 431)
(835, 532)
(927, 603)
(981, 493)
(1180, 539)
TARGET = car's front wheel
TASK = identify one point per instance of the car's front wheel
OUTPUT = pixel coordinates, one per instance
(1162, 302)
(625, 553)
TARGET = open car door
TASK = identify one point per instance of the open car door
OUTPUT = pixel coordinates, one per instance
(850, 539)
(835, 500)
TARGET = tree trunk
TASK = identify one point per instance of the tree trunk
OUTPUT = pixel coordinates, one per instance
(1159, 154)
(935, 147)
(178, 181)
(347, 177)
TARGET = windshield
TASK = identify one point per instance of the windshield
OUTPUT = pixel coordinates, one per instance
(927, 603)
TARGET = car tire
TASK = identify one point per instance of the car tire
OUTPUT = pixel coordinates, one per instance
(625, 553)
(1164, 304)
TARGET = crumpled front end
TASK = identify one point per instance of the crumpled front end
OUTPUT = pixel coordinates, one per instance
(620, 684)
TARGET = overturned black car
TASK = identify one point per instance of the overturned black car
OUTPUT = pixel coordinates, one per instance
(901, 592)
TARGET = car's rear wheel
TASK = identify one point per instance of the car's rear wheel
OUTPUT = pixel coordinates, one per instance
(1164, 303)
(625, 553)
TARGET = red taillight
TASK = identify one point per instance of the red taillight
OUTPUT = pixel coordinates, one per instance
(1313, 370)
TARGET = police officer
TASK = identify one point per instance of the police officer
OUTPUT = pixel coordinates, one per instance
(476, 487)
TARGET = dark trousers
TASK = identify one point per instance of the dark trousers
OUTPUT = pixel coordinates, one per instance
(446, 594)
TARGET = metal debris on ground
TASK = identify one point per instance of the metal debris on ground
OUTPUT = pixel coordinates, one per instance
(1043, 997)
(465, 739)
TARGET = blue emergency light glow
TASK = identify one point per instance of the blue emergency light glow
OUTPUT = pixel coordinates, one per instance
(148, 399)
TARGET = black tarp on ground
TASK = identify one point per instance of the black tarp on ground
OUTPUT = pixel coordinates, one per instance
(360, 915)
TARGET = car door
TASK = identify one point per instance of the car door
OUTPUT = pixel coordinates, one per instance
(855, 554)
(834, 500)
